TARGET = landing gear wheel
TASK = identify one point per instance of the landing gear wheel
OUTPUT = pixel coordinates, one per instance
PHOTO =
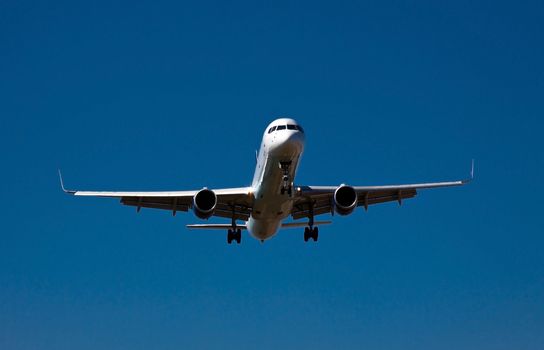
(286, 181)
(287, 189)
(311, 232)
(234, 235)
(238, 236)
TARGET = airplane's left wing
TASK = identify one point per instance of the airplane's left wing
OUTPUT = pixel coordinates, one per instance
(238, 200)
(316, 200)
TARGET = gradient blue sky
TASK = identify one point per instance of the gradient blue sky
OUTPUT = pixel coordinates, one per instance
(159, 95)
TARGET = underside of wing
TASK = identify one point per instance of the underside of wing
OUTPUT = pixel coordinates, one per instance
(234, 202)
(231, 202)
(323, 203)
(316, 200)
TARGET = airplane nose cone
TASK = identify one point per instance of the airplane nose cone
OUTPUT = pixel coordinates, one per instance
(296, 140)
(290, 143)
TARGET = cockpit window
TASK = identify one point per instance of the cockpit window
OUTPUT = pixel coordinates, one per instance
(288, 127)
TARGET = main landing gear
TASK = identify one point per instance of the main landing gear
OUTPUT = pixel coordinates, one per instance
(234, 235)
(311, 232)
(286, 181)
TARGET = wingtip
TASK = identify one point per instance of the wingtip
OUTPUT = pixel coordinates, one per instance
(471, 173)
(62, 184)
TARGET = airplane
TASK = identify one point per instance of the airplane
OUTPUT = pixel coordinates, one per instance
(273, 196)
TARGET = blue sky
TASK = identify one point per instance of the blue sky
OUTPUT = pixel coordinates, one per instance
(159, 95)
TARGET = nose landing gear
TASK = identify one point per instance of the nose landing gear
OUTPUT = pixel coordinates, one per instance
(286, 181)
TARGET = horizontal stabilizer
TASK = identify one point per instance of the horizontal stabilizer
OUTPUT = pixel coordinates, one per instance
(304, 224)
(244, 227)
(215, 226)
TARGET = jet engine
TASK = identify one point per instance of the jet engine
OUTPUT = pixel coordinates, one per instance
(204, 203)
(345, 200)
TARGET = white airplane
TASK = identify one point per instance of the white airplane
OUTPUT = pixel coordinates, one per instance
(272, 197)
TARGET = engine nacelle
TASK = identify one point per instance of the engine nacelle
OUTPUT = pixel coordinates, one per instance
(204, 203)
(345, 200)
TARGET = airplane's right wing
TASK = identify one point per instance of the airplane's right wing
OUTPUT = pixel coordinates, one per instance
(238, 200)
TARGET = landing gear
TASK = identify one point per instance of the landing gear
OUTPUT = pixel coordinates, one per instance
(287, 189)
(285, 180)
(311, 232)
(234, 235)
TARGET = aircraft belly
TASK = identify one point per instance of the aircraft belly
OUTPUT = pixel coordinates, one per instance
(263, 229)
(269, 203)
(270, 206)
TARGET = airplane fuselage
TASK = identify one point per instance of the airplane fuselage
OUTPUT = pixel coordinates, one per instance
(277, 162)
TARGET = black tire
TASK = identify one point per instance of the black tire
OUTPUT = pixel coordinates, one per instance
(238, 236)
(315, 233)
(306, 234)
(229, 236)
